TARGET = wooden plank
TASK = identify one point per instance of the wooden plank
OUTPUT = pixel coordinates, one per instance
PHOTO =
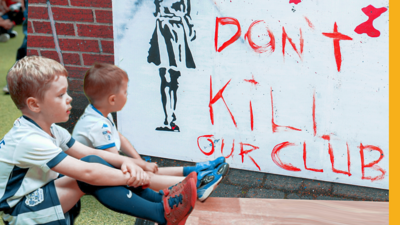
(285, 211)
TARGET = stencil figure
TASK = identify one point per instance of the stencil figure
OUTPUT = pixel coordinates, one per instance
(169, 50)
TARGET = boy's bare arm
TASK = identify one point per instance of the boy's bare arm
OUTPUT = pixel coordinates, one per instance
(100, 175)
(4, 4)
(127, 148)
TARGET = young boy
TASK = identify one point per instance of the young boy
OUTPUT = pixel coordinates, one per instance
(105, 85)
(35, 151)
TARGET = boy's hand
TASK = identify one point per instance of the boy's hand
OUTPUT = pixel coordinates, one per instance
(151, 167)
(137, 176)
(6, 24)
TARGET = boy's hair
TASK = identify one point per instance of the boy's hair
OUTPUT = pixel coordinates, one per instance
(103, 79)
(31, 76)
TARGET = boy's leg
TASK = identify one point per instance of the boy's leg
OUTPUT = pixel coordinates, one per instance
(170, 171)
(184, 171)
(123, 200)
(160, 182)
(68, 192)
(119, 199)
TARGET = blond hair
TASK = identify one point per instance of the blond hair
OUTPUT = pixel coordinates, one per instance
(103, 79)
(31, 76)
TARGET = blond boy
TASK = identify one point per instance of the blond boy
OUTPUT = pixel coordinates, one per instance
(105, 86)
(35, 151)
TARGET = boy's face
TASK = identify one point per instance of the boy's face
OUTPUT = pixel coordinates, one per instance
(121, 96)
(56, 104)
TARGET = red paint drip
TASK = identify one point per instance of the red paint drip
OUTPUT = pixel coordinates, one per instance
(208, 139)
(222, 146)
(251, 117)
(309, 23)
(277, 160)
(252, 81)
(295, 1)
(336, 38)
(368, 26)
(225, 21)
(209, 105)
(305, 160)
(332, 157)
(372, 164)
(246, 152)
(285, 36)
(313, 116)
(274, 125)
(215, 99)
(270, 46)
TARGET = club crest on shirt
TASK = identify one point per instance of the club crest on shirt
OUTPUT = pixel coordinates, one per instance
(107, 134)
(35, 198)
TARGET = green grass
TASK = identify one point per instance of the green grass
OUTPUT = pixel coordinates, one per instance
(8, 52)
(92, 211)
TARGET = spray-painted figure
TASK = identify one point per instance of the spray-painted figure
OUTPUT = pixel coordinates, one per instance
(169, 50)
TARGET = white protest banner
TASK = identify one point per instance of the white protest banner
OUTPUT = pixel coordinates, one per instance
(290, 87)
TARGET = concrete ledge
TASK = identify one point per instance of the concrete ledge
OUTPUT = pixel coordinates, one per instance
(284, 211)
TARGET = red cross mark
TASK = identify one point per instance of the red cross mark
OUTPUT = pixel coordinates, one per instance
(368, 27)
(252, 81)
(336, 38)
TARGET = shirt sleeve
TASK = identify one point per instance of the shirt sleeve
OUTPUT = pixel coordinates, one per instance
(101, 136)
(36, 150)
(65, 138)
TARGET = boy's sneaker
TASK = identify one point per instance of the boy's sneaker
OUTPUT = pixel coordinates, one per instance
(210, 165)
(180, 204)
(5, 90)
(13, 34)
(208, 180)
(177, 187)
(4, 37)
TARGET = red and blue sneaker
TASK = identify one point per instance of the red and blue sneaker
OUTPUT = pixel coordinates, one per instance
(208, 180)
(179, 204)
(175, 188)
(210, 165)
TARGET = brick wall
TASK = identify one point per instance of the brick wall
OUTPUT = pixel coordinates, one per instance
(85, 35)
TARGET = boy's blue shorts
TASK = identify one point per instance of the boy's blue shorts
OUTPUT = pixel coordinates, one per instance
(39, 207)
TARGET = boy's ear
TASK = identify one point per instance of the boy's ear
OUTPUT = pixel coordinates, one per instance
(111, 99)
(33, 104)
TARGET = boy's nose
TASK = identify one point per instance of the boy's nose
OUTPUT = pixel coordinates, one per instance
(69, 99)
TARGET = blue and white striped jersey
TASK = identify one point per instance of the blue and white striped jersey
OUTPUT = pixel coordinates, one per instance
(96, 131)
(27, 155)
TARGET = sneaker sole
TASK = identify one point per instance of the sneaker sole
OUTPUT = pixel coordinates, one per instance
(209, 190)
(183, 221)
(222, 171)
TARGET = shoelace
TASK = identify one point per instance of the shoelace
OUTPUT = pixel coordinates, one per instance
(175, 201)
(169, 188)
